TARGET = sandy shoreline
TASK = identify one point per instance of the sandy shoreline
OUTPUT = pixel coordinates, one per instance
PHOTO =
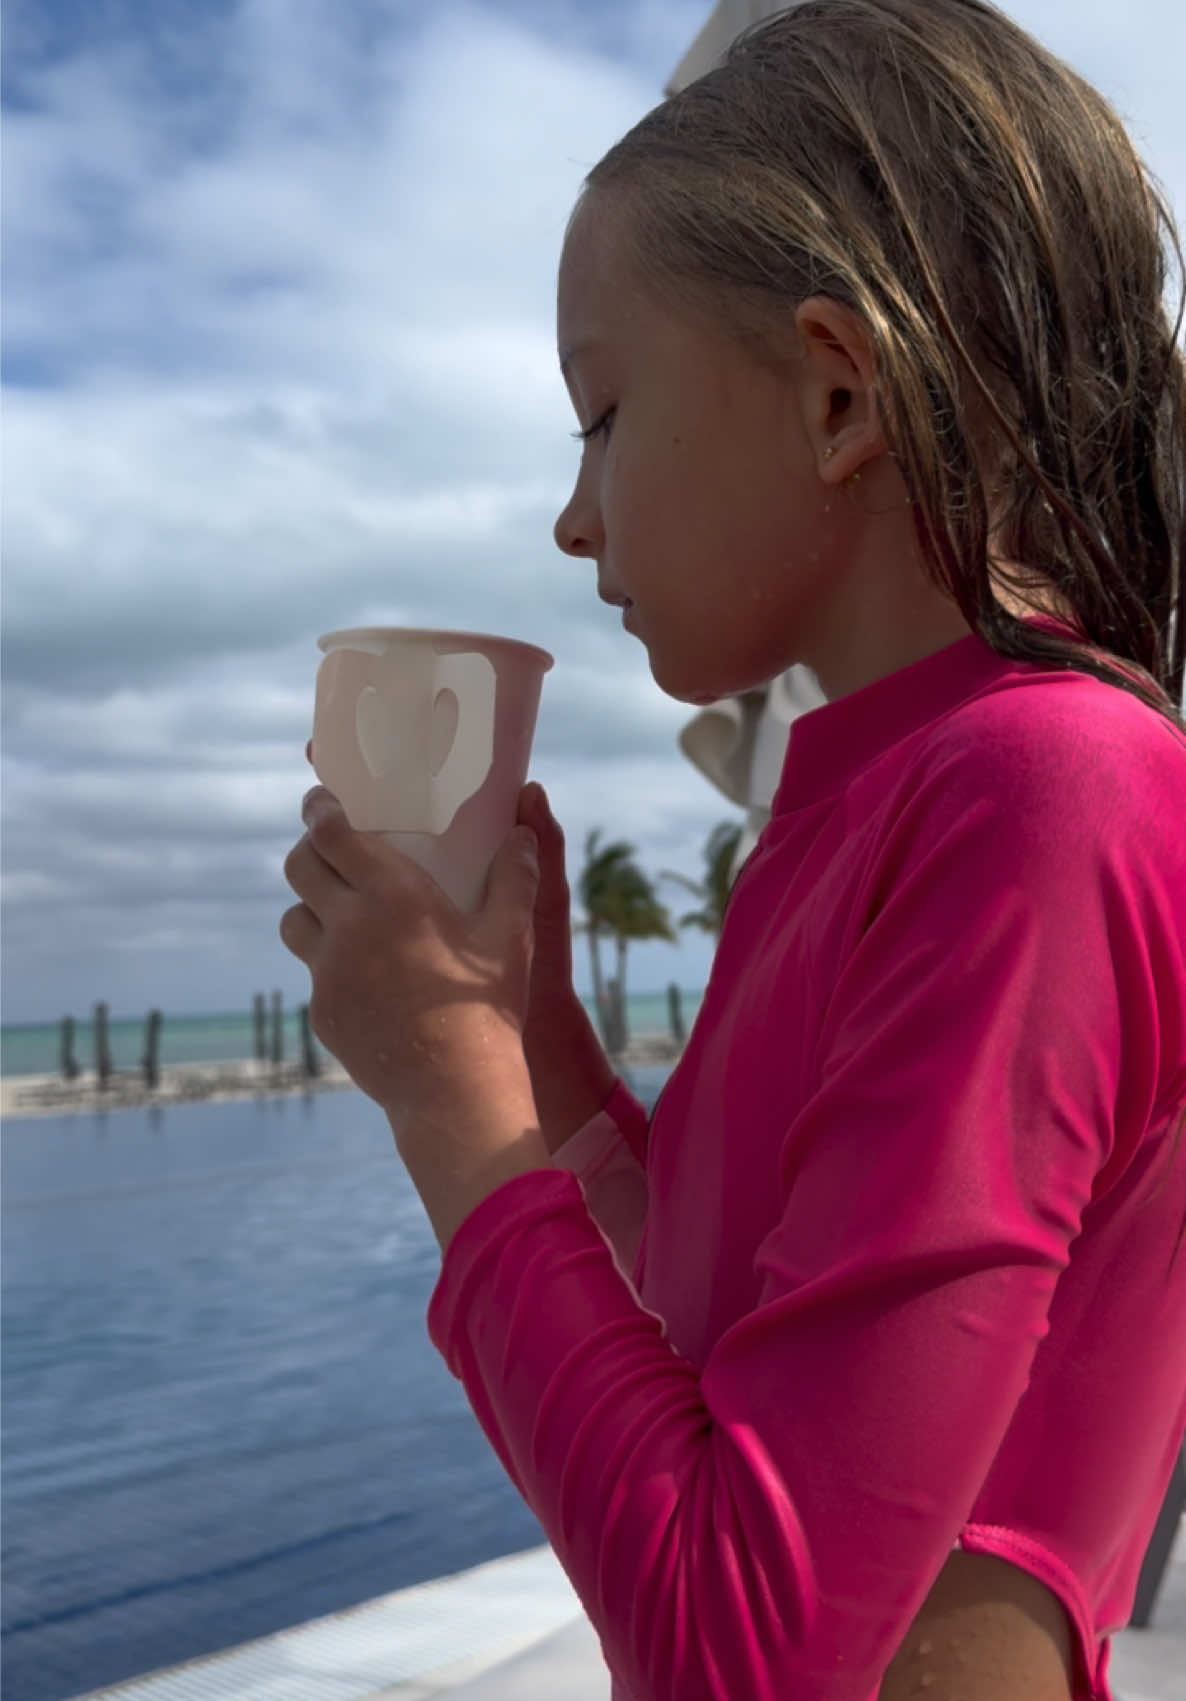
(189, 1083)
(182, 1083)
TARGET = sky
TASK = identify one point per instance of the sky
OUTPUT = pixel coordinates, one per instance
(279, 358)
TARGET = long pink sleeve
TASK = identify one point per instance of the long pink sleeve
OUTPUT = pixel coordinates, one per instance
(607, 1156)
(921, 1126)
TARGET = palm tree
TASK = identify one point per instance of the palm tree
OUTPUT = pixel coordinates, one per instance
(620, 902)
(719, 854)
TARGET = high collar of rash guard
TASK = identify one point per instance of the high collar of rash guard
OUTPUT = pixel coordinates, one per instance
(828, 746)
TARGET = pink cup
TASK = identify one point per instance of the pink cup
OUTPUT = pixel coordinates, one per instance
(425, 737)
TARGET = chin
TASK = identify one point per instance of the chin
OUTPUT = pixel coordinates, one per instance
(684, 686)
(697, 696)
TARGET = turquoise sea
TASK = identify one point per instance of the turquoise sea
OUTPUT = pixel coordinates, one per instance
(34, 1049)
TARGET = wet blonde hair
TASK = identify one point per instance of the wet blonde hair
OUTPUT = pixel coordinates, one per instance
(983, 211)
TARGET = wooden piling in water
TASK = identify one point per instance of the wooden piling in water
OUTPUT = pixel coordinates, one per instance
(675, 1014)
(151, 1061)
(277, 1027)
(102, 1046)
(309, 1058)
(259, 1017)
(69, 1063)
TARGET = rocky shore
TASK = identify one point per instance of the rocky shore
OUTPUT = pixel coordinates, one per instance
(184, 1083)
(188, 1083)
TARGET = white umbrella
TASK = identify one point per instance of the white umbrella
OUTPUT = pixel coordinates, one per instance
(739, 743)
(723, 27)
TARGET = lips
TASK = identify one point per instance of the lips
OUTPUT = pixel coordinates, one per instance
(615, 601)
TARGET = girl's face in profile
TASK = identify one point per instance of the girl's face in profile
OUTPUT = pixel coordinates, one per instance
(698, 495)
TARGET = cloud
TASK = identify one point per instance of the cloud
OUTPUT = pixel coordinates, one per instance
(280, 358)
(312, 364)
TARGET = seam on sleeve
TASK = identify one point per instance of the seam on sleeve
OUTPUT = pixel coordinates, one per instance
(631, 1118)
(997, 1541)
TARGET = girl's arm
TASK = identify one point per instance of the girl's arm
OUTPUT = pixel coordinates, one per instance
(768, 1524)
(608, 1158)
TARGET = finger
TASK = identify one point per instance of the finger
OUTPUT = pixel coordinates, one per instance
(534, 811)
(311, 877)
(360, 860)
(300, 931)
(554, 899)
(531, 804)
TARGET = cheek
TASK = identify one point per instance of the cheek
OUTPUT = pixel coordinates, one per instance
(631, 502)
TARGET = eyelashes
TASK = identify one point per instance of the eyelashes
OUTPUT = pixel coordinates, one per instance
(598, 425)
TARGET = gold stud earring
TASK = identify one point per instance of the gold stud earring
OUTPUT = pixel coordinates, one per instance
(829, 451)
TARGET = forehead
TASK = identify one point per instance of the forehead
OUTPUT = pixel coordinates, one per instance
(597, 290)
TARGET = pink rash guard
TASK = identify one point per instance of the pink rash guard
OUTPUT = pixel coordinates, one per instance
(892, 1269)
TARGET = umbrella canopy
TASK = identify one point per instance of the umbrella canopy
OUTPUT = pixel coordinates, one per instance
(728, 20)
(739, 744)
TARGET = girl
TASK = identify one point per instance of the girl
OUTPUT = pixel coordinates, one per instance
(861, 1371)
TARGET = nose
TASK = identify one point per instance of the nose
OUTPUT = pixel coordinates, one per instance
(578, 527)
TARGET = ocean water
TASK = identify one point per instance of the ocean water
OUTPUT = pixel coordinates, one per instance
(35, 1049)
(222, 1415)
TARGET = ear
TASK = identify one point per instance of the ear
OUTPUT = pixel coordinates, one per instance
(837, 388)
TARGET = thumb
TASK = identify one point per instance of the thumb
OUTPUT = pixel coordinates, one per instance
(514, 874)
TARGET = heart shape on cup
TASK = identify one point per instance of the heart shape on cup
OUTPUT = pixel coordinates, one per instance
(376, 722)
(442, 731)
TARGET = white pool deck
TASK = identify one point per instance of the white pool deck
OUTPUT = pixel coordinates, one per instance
(513, 1630)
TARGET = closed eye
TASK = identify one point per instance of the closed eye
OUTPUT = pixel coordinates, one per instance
(597, 426)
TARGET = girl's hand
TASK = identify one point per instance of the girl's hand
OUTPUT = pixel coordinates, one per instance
(422, 1005)
(571, 1076)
